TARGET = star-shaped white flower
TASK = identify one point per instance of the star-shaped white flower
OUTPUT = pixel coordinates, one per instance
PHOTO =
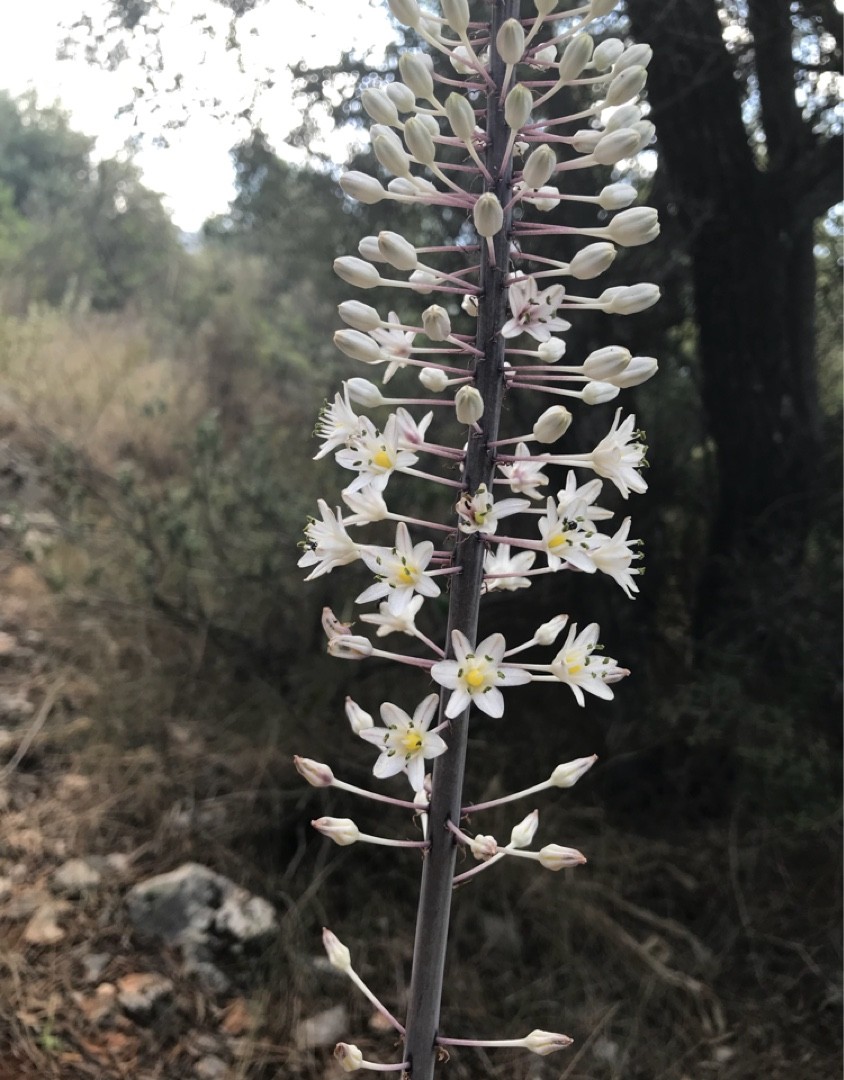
(612, 555)
(619, 456)
(337, 424)
(524, 477)
(411, 433)
(583, 495)
(577, 667)
(375, 455)
(500, 561)
(567, 539)
(400, 572)
(480, 513)
(388, 622)
(367, 505)
(328, 544)
(533, 311)
(395, 343)
(405, 743)
(476, 674)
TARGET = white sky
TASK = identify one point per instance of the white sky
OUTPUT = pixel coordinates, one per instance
(194, 172)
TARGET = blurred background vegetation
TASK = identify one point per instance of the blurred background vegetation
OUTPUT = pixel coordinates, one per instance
(157, 395)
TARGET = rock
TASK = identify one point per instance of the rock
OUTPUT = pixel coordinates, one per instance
(93, 965)
(322, 1029)
(98, 1006)
(43, 928)
(76, 877)
(246, 919)
(211, 1068)
(142, 994)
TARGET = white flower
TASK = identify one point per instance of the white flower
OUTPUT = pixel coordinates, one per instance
(565, 539)
(575, 665)
(476, 675)
(524, 477)
(395, 343)
(389, 622)
(500, 561)
(328, 543)
(620, 454)
(581, 496)
(400, 572)
(375, 455)
(613, 555)
(337, 424)
(480, 513)
(533, 311)
(405, 743)
(367, 505)
(411, 432)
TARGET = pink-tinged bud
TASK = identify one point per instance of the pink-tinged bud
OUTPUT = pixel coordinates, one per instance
(363, 392)
(576, 56)
(483, 847)
(342, 831)
(616, 196)
(418, 140)
(405, 11)
(639, 370)
(607, 362)
(554, 857)
(590, 262)
(338, 955)
(638, 55)
(392, 157)
(350, 647)
(433, 379)
(332, 625)
(523, 833)
(629, 299)
(511, 41)
(461, 116)
(548, 633)
(366, 189)
(456, 14)
(539, 167)
(379, 106)
(615, 146)
(625, 86)
(358, 718)
(546, 1042)
(397, 251)
(598, 393)
(349, 1057)
(317, 774)
(416, 74)
(488, 215)
(468, 405)
(436, 323)
(517, 107)
(401, 96)
(567, 774)
(356, 272)
(607, 53)
(633, 227)
(360, 316)
(358, 346)
(552, 424)
(551, 351)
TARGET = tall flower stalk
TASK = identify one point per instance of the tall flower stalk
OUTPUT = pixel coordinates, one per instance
(480, 141)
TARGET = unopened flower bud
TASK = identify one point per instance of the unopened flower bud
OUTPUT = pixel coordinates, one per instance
(625, 116)
(350, 647)
(397, 251)
(379, 106)
(436, 323)
(517, 107)
(639, 370)
(317, 774)
(646, 131)
(349, 1056)
(468, 405)
(598, 393)
(488, 215)
(469, 304)
(360, 316)
(423, 281)
(433, 379)
(548, 633)
(552, 424)
(461, 60)
(511, 41)
(546, 1042)
(418, 140)
(358, 185)
(625, 86)
(615, 146)
(356, 272)
(590, 262)
(539, 167)
(567, 774)
(629, 299)
(599, 8)
(607, 362)
(544, 57)
(359, 719)
(416, 74)
(483, 847)
(576, 56)
(363, 392)
(548, 202)
(545, 7)
(338, 955)
(405, 11)
(342, 831)
(607, 53)
(358, 346)
(552, 350)
(401, 96)
(616, 196)
(461, 116)
(368, 249)
(585, 140)
(456, 14)
(638, 55)
(392, 157)
(555, 857)
(523, 833)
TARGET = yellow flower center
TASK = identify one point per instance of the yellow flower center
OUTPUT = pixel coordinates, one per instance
(411, 742)
(406, 575)
(474, 678)
(573, 668)
(383, 460)
(558, 540)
